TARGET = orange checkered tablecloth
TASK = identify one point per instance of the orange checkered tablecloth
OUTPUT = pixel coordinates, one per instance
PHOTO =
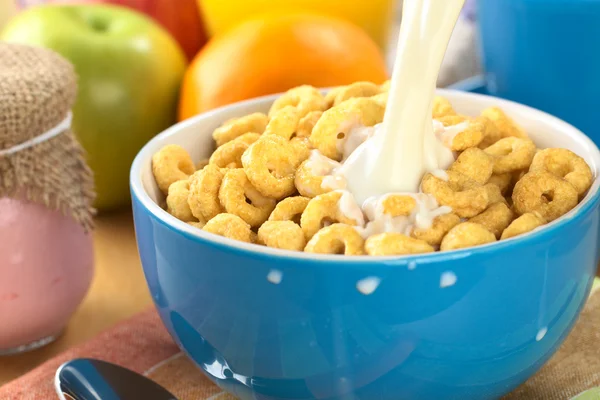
(143, 345)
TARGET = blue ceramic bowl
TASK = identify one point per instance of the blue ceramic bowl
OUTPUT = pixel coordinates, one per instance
(271, 324)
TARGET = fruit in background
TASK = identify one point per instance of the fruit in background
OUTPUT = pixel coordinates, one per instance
(275, 52)
(374, 16)
(7, 10)
(592, 394)
(180, 17)
(129, 71)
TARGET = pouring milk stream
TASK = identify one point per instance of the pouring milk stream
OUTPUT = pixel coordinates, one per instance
(395, 159)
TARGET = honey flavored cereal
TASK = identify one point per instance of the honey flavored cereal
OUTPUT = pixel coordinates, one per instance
(336, 239)
(230, 226)
(170, 164)
(466, 234)
(564, 164)
(390, 244)
(545, 194)
(525, 223)
(275, 180)
(177, 201)
(281, 235)
(239, 197)
(255, 123)
(203, 197)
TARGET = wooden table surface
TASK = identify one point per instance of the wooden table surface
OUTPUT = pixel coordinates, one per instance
(117, 292)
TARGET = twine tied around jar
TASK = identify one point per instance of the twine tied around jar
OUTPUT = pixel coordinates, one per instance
(40, 158)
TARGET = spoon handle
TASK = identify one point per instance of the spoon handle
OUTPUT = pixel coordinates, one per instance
(88, 379)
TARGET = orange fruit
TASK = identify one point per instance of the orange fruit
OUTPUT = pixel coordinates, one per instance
(275, 52)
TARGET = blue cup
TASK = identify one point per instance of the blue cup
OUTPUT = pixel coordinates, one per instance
(546, 54)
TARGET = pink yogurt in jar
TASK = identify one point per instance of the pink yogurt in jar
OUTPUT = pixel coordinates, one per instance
(46, 267)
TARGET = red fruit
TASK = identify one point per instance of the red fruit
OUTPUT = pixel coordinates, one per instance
(180, 17)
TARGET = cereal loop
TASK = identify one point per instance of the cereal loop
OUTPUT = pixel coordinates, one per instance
(494, 194)
(381, 99)
(284, 235)
(204, 193)
(506, 126)
(544, 193)
(289, 209)
(229, 155)
(310, 175)
(236, 127)
(177, 201)
(201, 164)
(442, 107)
(301, 148)
(323, 210)
(511, 154)
(466, 234)
(471, 136)
(304, 98)
(475, 164)
(458, 180)
(525, 223)
(230, 226)
(464, 200)
(356, 90)
(337, 122)
(239, 197)
(307, 123)
(440, 227)
(170, 164)
(503, 181)
(336, 239)
(270, 164)
(397, 205)
(517, 175)
(331, 95)
(491, 133)
(564, 164)
(392, 244)
(284, 122)
(495, 219)
(198, 224)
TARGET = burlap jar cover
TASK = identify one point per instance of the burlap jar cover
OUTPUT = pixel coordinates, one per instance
(40, 158)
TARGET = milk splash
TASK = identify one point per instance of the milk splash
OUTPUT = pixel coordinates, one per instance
(396, 159)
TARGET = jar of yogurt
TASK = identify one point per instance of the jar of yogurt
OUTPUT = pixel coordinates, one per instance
(46, 192)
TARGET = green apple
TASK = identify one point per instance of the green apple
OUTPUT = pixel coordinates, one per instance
(7, 10)
(129, 72)
(592, 394)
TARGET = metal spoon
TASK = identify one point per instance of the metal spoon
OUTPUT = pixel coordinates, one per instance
(88, 379)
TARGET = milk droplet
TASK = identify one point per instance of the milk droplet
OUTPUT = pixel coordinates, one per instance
(275, 276)
(368, 285)
(447, 279)
(541, 333)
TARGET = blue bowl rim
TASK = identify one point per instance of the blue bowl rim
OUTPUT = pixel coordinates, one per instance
(590, 202)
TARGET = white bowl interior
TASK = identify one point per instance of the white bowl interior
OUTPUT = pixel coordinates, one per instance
(195, 135)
